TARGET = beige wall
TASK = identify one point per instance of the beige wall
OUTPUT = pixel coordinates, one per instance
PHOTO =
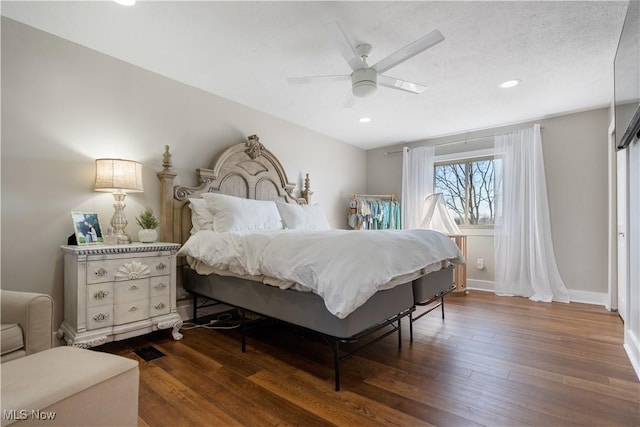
(575, 154)
(64, 105)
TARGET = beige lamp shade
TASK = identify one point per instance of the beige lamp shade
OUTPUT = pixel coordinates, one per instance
(118, 175)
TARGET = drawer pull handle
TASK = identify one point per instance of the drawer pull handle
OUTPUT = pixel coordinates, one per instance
(160, 306)
(161, 286)
(101, 271)
(101, 317)
(133, 308)
(101, 294)
(133, 288)
(161, 266)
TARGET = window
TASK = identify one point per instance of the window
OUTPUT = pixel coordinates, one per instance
(469, 189)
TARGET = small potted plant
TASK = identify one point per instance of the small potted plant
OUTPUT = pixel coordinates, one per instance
(149, 223)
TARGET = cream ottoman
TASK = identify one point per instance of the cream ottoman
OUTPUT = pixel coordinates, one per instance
(70, 386)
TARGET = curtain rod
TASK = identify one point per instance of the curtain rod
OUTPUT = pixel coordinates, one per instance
(389, 153)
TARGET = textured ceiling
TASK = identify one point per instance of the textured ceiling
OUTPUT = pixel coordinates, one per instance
(562, 51)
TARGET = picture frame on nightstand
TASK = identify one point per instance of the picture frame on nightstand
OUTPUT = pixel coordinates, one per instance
(86, 226)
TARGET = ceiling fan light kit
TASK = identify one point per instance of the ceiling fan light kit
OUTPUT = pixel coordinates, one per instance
(364, 82)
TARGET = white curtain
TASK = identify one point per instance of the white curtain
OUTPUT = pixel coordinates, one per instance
(417, 184)
(524, 257)
(437, 216)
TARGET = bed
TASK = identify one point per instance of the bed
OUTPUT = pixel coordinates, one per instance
(243, 186)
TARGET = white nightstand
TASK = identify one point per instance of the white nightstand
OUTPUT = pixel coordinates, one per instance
(113, 292)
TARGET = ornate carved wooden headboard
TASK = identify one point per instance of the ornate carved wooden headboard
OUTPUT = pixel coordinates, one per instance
(245, 170)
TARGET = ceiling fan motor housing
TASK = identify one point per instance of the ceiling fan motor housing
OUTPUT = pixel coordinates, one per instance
(364, 82)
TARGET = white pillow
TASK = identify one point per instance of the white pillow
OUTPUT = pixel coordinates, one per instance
(201, 216)
(303, 217)
(237, 214)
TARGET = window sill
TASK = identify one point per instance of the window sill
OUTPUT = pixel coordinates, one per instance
(477, 231)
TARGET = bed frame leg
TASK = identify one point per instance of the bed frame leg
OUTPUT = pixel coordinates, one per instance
(411, 327)
(336, 363)
(195, 307)
(242, 332)
(399, 333)
(442, 306)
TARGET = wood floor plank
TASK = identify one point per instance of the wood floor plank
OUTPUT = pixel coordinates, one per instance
(493, 361)
(472, 406)
(372, 409)
(567, 404)
(236, 405)
(417, 409)
(574, 385)
(193, 407)
(337, 408)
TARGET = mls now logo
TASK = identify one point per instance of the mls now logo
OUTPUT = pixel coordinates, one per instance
(23, 414)
(15, 414)
(42, 415)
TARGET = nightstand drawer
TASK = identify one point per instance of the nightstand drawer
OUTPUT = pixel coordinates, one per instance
(160, 265)
(130, 312)
(99, 294)
(118, 269)
(99, 317)
(159, 305)
(131, 290)
(160, 285)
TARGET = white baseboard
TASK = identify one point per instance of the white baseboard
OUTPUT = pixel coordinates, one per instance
(632, 347)
(587, 297)
(481, 285)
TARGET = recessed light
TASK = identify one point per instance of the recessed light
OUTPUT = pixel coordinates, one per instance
(365, 119)
(125, 2)
(510, 83)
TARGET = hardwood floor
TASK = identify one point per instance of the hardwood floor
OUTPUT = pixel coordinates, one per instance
(494, 361)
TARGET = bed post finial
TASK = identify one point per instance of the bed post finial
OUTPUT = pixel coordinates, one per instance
(166, 159)
(254, 147)
(306, 193)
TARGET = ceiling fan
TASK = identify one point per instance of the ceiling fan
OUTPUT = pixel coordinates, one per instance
(364, 78)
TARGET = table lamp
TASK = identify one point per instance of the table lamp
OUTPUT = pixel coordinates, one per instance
(119, 177)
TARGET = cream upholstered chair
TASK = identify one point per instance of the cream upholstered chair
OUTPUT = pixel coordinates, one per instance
(27, 323)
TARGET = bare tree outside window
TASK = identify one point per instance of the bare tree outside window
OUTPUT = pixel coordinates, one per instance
(468, 187)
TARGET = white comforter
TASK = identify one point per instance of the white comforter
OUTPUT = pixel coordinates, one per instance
(344, 267)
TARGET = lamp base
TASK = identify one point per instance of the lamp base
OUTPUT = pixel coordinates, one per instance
(123, 239)
(119, 220)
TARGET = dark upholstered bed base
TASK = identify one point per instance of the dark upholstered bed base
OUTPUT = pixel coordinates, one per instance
(433, 285)
(304, 309)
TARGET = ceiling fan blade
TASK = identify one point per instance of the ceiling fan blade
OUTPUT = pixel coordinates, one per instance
(408, 51)
(349, 100)
(404, 85)
(310, 79)
(345, 47)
